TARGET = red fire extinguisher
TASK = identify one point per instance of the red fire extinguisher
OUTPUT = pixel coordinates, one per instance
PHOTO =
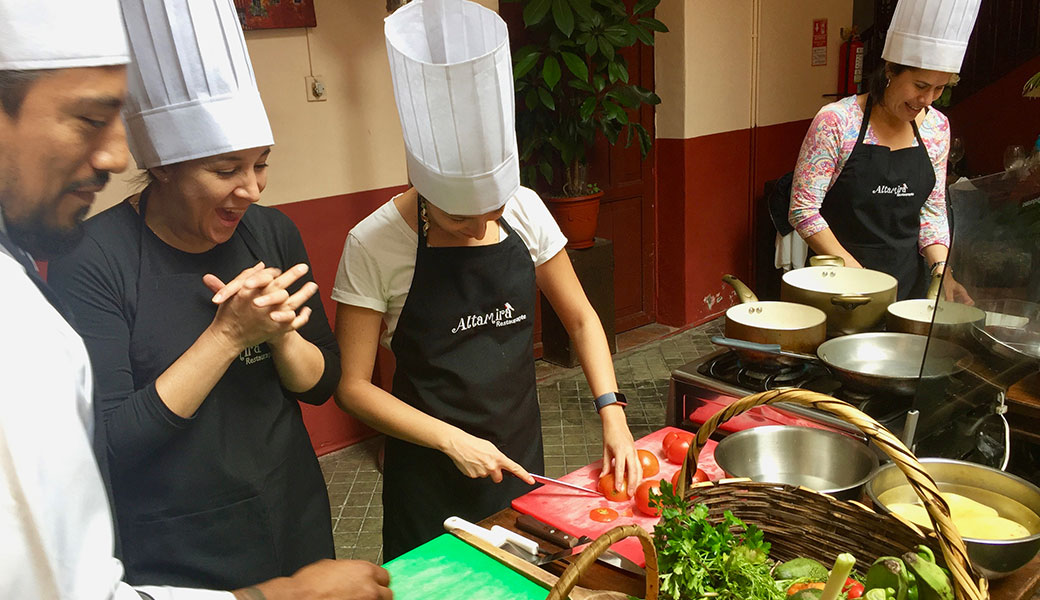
(850, 67)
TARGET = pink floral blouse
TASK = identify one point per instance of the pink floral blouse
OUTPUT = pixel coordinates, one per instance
(827, 146)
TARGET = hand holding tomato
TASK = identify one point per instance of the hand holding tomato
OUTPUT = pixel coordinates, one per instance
(611, 491)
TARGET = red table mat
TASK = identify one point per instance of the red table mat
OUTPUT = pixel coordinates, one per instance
(568, 510)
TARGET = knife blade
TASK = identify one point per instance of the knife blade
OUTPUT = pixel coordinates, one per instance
(550, 480)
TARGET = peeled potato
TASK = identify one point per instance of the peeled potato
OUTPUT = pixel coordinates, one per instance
(990, 528)
(973, 519)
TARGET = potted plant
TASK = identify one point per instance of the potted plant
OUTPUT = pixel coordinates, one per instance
(572, 85)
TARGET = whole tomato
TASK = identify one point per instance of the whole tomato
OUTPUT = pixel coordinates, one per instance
(643, 497)
(606, 485)
(677, 451)
(852, 588)
(649, 462)
(698, 477)
(669, 437)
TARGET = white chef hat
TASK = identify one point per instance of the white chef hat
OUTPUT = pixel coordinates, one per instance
(60, 34)
(453, 82)
(930, 34)
(192, 89)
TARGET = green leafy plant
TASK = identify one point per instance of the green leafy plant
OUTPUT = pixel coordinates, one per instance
(573, 82)
(1032, 87)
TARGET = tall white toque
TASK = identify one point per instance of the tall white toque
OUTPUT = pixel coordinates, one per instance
(61, 34)
(930, 34)
(453, 82)
(192, 89)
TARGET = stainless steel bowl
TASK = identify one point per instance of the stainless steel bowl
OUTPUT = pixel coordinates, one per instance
(821, 460)
(1012, 497)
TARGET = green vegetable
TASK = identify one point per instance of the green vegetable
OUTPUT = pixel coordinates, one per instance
(842, 567)
(723, 561)
(801, 567)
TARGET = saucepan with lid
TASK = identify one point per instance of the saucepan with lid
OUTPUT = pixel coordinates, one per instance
(794, 327)
(854, 300)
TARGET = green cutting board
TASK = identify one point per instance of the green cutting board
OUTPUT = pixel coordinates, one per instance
(447, 567)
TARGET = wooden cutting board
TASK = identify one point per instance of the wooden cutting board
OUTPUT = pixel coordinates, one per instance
(448, 568)
(568, 510)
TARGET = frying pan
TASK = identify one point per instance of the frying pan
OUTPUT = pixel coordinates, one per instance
(1011, 329)
(794, 327)
(878, 362)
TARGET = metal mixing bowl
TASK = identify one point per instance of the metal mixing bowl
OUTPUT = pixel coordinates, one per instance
(1012, 497)
(821, 460)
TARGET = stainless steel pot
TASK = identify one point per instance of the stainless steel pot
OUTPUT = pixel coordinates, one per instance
(877, 362)
(922, 316)
(825, 461)
(795, 327)
(854, 300)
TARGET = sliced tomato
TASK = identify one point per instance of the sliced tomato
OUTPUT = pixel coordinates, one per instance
(643, 497)
(606, 485)
(647, 459)
(603, 514)
(677, 451)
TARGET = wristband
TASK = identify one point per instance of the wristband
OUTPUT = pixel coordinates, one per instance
(610, 398)
(936, 265)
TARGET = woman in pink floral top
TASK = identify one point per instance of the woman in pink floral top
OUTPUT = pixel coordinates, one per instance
(874, 192)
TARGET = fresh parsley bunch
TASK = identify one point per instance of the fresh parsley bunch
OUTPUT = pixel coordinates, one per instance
(697, 559)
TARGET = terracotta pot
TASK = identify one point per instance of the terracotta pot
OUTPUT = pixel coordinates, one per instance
(577, 218)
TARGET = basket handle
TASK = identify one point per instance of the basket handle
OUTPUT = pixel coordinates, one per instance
(950, 542)
(562, 589)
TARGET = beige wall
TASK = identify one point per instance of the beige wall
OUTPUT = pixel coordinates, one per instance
(707, 62)
(789, 87)
(349, 143)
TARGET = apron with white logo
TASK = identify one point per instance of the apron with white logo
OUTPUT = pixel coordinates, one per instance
(874, 208)
(464, 352)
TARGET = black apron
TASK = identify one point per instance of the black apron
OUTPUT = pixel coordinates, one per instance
(874, 208)
(464, 352)
(237, 497)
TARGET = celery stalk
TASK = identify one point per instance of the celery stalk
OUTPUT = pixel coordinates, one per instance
(840, 572)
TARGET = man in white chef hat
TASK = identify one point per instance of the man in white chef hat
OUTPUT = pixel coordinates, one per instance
(870, 183)
(62, 84)
(450, 267)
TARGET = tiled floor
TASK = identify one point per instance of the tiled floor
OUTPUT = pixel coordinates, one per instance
(643, 372)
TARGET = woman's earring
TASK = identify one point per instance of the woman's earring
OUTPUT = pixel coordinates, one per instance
(888, 82)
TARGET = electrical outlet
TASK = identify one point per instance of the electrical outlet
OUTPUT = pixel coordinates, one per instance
(316, 90)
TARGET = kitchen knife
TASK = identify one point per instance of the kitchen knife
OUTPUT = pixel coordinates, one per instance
(547, 532)
(571, 545)
(550, 480)
(497, 536)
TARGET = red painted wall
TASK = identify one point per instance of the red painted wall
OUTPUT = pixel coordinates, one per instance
(995, 117)
(324, 223)
(709, 193)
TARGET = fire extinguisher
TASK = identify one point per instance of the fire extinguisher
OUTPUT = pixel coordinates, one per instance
(850, 67)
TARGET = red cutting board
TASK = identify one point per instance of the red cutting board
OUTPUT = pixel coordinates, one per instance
(568, 510)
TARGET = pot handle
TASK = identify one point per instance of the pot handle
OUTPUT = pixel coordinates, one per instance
(850, 301)
(744, 293)
(756, 347)
(826, 260)
(933, 287)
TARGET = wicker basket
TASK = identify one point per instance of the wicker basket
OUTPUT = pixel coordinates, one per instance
(801, 522)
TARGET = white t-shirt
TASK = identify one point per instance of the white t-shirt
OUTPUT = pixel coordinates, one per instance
(375, 270)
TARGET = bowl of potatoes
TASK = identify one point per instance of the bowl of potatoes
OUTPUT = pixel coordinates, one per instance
(997, 513)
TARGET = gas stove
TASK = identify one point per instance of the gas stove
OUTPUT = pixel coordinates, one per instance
(702, 387)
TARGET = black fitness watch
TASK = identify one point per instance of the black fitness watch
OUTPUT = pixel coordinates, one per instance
(610, 398)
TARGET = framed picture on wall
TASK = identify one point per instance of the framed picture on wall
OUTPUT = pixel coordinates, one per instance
(275, 14)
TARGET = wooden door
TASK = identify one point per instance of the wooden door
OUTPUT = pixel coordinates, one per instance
(627, 211)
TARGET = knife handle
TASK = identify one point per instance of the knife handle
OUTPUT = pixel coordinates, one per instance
(545, 531)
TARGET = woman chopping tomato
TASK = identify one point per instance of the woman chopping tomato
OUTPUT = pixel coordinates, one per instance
(870, 182)
(450, 267)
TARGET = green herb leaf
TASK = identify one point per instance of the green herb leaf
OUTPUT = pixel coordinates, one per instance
(551, 72)
(535, 11)
(563, 16)
(575, 65)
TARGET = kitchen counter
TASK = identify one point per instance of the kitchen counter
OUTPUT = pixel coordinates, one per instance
(1019, 586)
